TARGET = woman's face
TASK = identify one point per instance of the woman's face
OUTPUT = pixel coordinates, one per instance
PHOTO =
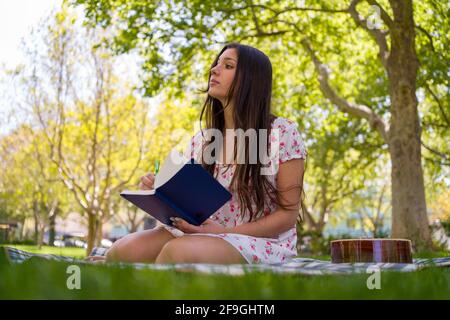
(222, 75)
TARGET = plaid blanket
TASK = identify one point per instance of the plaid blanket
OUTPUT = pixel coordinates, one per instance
(304, 266)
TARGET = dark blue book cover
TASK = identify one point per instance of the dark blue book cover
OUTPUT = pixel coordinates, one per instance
(183, 189)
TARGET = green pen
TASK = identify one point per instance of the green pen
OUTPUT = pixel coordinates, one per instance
(156, 166)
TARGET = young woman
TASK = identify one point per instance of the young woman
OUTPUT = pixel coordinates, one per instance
(258, 224)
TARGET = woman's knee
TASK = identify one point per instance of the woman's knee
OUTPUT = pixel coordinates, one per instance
(199, 249)
(141, 246)
(115, 252)
(176, 251)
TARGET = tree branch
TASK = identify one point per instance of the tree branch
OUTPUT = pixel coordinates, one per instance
(141, 135)
(440, 154)
(259, 30)
(255, 19)
(434, 125)
(427, 87)
(257, 35)
(378, 35)
(430, 38)
(309, 219)
(360, 111)
(65, 174)
(261, 6)
(438, 162)
(383, 14)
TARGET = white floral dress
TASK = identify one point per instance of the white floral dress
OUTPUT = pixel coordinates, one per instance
(255, 249)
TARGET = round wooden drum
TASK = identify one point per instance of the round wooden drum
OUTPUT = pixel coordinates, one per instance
(371, 250)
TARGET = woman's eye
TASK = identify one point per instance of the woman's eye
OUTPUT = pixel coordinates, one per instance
(227, 66)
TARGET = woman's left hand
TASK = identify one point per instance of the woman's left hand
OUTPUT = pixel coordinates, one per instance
(209, 226)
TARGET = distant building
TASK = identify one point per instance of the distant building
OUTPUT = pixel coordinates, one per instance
(352, 227)
(117, 232)
(7, 228)
(74, 222)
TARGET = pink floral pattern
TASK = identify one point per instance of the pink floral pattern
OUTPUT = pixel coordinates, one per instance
(255, 249)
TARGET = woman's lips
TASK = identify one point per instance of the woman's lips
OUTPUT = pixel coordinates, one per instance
(213, 82)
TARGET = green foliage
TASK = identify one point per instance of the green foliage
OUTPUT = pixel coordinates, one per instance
(432, 37)
(41, 279)
(446, 226)
(29, 181)
(89, 135)
(178, 41)
(77, 253)
(194, 31)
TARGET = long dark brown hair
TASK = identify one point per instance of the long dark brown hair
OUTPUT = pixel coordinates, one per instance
(251, 92)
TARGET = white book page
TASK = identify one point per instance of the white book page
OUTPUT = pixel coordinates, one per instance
(173, 163)
(138, 192)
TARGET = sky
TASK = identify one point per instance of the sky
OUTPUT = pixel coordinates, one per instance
(16, 19)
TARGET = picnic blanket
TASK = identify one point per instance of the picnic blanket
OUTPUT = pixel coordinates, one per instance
(305, 266)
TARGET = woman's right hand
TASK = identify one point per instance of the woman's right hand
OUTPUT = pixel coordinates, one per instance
(147, 182)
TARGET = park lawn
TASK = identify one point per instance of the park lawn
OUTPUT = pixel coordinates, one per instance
(78, 253)
(42, 279)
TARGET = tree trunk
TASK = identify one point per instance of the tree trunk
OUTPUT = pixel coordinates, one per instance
(375, 230)
(409, 215)
(22, 229)
(51, 229)
(41, 236)
(316, 226)
(91, 232)
(36, 222)
(98, 231)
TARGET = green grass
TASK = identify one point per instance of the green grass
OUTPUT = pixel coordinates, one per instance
(78, 253)
(42, 279)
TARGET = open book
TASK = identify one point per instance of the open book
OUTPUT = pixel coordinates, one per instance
(182, 188)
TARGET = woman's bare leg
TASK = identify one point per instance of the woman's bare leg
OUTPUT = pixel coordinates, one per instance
(199, 249)
(141, 246)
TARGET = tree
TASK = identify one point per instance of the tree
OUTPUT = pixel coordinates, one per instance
(441, 207)
(377, 64)
(87, 129)
(92, 128)
(29, 182)
(339, 169)
(172, 127)
(371, 205)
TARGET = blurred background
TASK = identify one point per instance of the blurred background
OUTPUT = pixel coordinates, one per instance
(92, 92)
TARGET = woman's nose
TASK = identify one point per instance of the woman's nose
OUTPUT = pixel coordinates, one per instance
(215, 70)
